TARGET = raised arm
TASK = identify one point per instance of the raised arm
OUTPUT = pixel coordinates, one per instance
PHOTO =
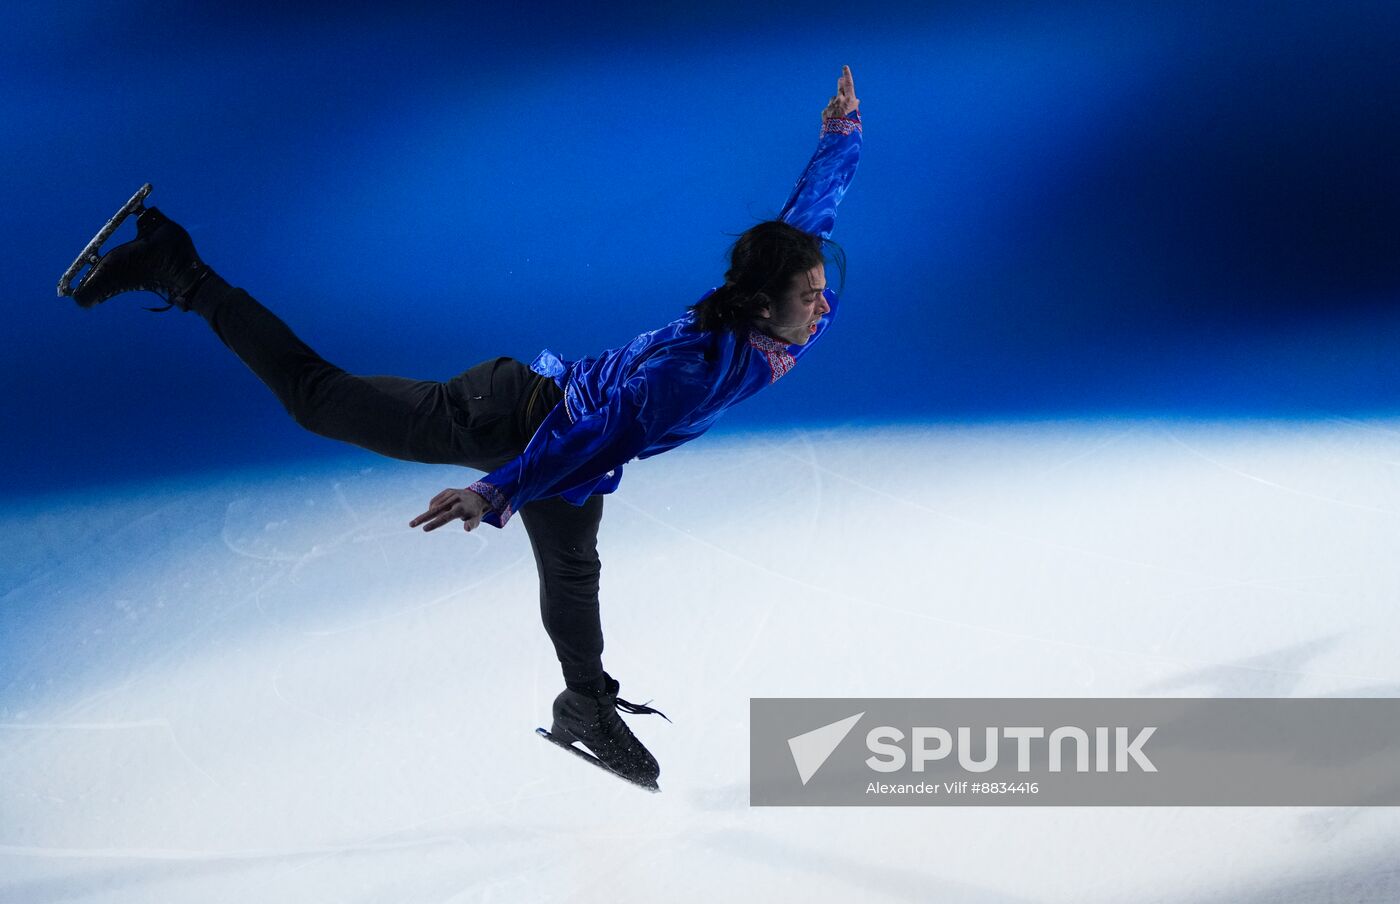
(812, 205)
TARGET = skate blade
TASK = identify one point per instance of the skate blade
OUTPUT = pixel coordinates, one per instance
(652, 786)
(89, 255)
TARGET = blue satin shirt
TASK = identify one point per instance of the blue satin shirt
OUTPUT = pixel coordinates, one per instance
(668, 386)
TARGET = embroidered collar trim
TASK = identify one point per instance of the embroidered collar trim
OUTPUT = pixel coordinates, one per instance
(780, 360)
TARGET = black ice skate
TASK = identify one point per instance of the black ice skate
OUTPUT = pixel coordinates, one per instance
(593, 722)
(161, 259)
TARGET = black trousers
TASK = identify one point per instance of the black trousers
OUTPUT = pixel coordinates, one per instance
(481, 418)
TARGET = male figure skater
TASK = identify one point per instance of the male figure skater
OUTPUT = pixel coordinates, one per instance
(553, 437)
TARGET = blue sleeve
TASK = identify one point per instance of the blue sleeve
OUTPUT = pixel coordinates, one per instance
(812, 205)
(565, 454)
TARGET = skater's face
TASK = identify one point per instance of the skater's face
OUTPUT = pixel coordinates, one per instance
(794, 318)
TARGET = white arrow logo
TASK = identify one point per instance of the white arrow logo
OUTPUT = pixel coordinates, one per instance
(810, 750)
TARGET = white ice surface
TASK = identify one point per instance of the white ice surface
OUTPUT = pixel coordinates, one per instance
(267, 688)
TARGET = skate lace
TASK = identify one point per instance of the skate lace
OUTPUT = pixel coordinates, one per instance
(181, 298)
(639, 709)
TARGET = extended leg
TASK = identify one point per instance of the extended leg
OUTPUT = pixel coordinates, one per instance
(412, 420)
(467, 421)
(406, 421)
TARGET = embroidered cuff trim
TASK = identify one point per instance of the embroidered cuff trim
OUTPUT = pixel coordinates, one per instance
(498, 501)
(842, 125)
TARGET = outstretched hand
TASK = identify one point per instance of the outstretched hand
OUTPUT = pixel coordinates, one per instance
(844, 100)
(450, 505)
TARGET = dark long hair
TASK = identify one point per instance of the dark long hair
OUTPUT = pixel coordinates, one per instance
(762, 264)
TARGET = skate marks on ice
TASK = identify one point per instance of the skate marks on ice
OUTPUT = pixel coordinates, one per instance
(1273, 484)
(1369, 878)
(847, 877)
(316, 649)
(229, 640)
(1176, 576)
(1201, 581)
(146, 874)
(1275, 673)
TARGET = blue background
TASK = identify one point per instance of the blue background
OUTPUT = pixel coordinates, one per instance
(1074, 210)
